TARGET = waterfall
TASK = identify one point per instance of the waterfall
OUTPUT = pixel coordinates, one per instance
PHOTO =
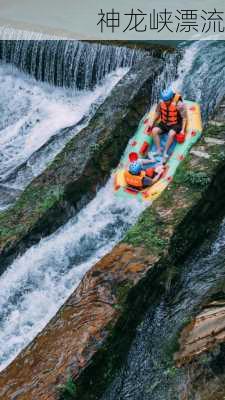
(201, 74)
(67, 63)
(37, 120)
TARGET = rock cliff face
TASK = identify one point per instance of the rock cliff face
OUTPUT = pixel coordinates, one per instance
(201, 355)
(205, 332)
(84, 163)
(91, 334)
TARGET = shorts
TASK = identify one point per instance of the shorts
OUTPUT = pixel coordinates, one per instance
(146, 182)
(166, 128)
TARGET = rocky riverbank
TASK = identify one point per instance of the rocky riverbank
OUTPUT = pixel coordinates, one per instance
(90, 335)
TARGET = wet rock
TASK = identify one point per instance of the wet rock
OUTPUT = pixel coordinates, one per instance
(78, 330)
(8, 195)
(206, 331)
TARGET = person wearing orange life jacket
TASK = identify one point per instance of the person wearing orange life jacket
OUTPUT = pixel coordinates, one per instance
(173, 119)
(139, 178)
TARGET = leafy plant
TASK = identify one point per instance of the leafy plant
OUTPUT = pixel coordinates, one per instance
(200, 179)
(172, 371)
(51, 198)
(94, 148)
(68, 390)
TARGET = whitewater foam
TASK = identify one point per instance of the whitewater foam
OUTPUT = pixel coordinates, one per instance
(32, 113)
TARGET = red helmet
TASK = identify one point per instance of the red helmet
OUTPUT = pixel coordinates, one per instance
(133, 156)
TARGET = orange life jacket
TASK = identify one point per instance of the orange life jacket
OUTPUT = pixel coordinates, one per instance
(169, 113)
(134, 180)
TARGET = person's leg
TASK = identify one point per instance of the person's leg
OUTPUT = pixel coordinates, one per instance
(156, 138)
(171, 137)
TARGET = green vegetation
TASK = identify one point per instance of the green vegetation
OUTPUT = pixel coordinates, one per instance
(197, 179)
(94, 148)
(188, 176)
(214, 130)
(54, 196)
(34, 201)
(171, 347)
(68, 390)
(146, 232)
(122, 291)
(171, 371)
(221, 156)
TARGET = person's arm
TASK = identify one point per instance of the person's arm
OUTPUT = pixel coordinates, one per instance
(145, 161)
(157, 115)
(158, 175)
(183, 113)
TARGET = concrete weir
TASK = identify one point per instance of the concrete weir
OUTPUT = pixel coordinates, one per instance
(85, 163)
(91, 333)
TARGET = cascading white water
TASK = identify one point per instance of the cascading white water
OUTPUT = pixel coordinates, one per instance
(37, 283)
(201, 74)
(37, 119)
(73, 64)
(32, 113)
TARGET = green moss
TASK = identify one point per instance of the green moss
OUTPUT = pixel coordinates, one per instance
(147, 232)
(54, 196)
(214, 130)
(181, 173)
(172, 345)
(122, 291)
(197, 179)
(221, 156)
(7, 231)
(68, 390)
(33, 202)
(169, 349)
(172, 371)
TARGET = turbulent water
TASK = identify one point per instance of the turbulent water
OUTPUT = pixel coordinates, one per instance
(37, 283)
(201, 74)
(147, 363)
(33, 115)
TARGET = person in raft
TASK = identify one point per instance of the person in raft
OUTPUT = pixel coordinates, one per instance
(173, 119)
(139, 178)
